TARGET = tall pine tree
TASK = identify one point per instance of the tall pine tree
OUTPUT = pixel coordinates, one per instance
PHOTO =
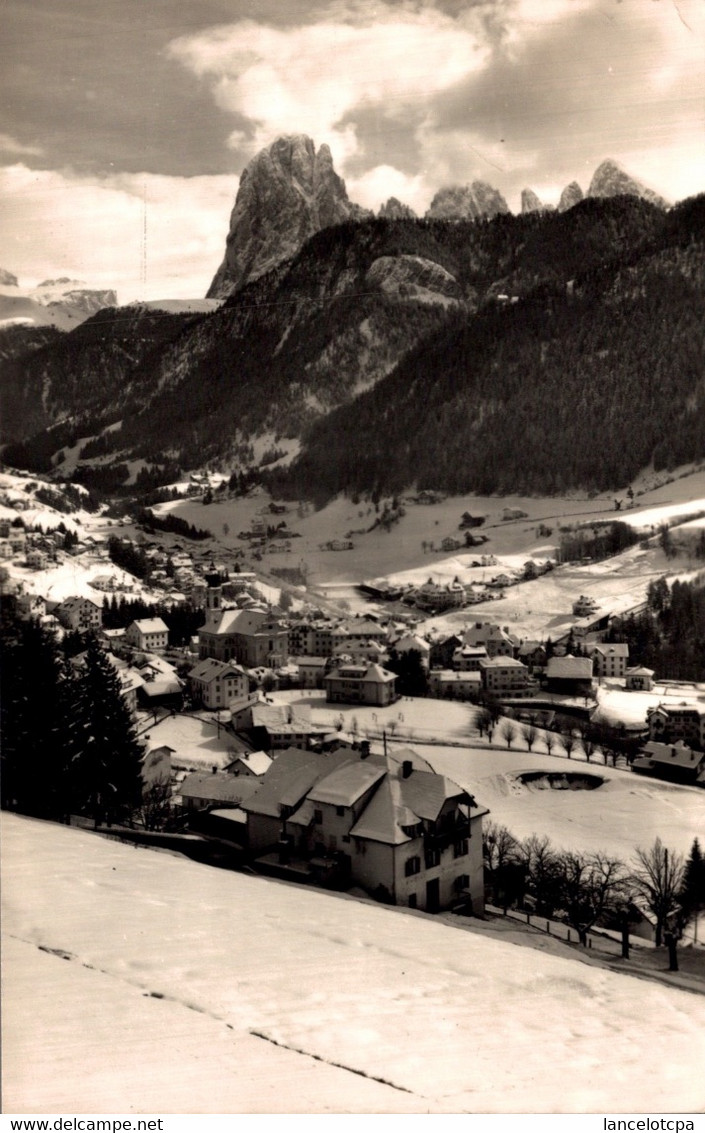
(107, 770)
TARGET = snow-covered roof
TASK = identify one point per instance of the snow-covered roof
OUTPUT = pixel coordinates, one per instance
(150, 625)
(385, 816)
(673, 755)
(210, 670)
(617, 649)
(289, 779)
(218, 786)
(346, 784)
(258, 762)
(376, 674)
(569, 668)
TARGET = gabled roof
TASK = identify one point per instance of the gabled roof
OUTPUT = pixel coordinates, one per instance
(503, 663)
(385, 815)
(218, 786)
(376, 674)
(246, 622)
(346, 784)
(74, 603)
(258, 762)
(671, 755)
(424, 792)
(290, 778)
(150, 625)
(210, 670)
(400, 803)
(617, 649)
(569, 668)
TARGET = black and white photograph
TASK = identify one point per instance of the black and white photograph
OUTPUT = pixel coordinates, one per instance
(352, 559)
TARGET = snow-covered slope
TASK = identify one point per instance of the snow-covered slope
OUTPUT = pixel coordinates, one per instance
(63, 303)
(135, 980)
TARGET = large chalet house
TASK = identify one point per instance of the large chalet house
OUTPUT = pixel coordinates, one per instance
(391, 826)
(350, 683)
(670, 723)
(79, 614)
(610, 660)
(506, 676)
(147, 634)
(214, 684)
(253, 638)
(495, 639)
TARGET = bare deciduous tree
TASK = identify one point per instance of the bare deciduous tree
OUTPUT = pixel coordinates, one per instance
(508, 732)
(155, 807)
(568, 742)
(541, 863)
(657, 879)
(590, 885)
(529, 734)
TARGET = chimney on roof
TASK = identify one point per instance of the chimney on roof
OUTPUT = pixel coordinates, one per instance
(406, 768)
(364, 749)
(214, 769)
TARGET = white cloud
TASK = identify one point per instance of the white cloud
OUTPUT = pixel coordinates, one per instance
(377, 185)
(309, 79)
(145, 235)
(8, 144)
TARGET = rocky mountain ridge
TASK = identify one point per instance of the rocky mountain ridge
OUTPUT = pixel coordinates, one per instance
(315, 338)
(291, 190)
(62, 303)
(288, 192)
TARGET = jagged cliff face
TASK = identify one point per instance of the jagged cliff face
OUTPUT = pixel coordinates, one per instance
(394, 209)
(610, 180)
(571, 195)
(288, 192)
(530, 202)
(467, 202)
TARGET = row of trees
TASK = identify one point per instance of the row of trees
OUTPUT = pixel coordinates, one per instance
(587, 889)
(69, 744)
(567, 735)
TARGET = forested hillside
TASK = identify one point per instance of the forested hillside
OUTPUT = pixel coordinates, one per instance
(570, 386)
(530, 353)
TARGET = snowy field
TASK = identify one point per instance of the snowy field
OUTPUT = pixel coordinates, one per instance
(137, 981)
(198, 742)
(628, 810)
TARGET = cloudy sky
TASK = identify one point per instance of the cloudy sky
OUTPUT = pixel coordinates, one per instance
(124, 124)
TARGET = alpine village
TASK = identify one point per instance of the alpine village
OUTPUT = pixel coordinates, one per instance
(381, 569)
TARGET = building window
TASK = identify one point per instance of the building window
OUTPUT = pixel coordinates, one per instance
(460, 848)
(340, 811)
(412, 866)
(412, 900)
(461, 882)
(432, 858)
(318, 817)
